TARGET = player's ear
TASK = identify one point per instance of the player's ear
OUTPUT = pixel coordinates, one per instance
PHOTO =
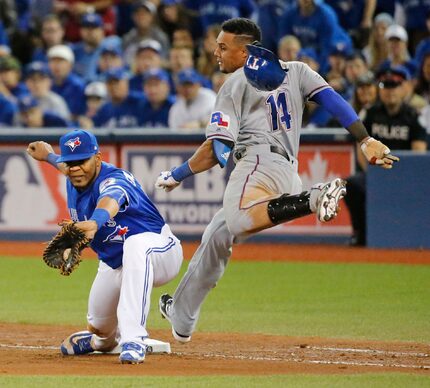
(98, 157)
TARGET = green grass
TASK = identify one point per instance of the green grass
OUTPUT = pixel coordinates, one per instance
(296, 381)
(357, 301)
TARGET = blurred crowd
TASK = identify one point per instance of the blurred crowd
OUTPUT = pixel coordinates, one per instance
(150, 63)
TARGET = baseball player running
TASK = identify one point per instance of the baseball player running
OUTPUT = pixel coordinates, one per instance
(258, 117)
(135, 246)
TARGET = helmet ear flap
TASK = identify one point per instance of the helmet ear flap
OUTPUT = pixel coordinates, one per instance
(262, 68)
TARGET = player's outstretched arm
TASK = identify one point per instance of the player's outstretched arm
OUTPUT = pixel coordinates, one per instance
(43, 152)
(375, 152)
(203, 159)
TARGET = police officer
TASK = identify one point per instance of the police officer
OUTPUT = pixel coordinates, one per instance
(395, 124)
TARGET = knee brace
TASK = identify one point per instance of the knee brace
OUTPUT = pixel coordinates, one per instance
(288, 207)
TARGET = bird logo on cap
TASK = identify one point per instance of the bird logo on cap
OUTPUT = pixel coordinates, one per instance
(73, 143)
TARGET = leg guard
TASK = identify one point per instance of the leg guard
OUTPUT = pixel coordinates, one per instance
(288, 207)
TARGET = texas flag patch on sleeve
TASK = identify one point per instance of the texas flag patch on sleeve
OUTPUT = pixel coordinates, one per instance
(221, 119)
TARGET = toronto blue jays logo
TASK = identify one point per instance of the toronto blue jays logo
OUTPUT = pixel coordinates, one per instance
(220, 118)
(118, 235)
(73, 143)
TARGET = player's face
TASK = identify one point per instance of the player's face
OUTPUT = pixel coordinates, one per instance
(83, 172)
(230, 53)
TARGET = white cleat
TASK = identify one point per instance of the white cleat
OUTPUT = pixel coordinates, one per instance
(328, 200)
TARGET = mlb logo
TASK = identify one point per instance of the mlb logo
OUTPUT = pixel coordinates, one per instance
(220, 119)
(73, 143)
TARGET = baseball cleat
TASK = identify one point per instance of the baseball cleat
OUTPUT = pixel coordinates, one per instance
(78, 343)
(328, 200)
(132, 353)
(165, 303)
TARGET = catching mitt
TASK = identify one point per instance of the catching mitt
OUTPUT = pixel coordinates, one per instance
(64, 250)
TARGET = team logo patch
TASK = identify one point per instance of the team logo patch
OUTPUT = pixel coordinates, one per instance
(106, 183)
(220, 119)
(73, 143)
(118, 235)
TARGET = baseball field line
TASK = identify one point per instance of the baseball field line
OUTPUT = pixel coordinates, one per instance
(293, 359)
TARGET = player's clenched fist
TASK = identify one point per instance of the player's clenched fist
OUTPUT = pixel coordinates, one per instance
(377, 153)
(39, 150)
(166, 181)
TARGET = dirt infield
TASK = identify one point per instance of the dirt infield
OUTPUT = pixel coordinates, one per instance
(270, 252)
(34, 350)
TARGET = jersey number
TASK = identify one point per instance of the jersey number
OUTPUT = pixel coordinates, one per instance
(278, 111)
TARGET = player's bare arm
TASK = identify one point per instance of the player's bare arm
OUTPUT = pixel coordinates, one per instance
(43, 152)
(106, 209)
(204, 158)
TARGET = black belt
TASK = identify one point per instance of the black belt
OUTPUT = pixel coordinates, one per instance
(240, 153)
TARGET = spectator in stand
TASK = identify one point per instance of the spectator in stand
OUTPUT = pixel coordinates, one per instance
(316, 26)
(182, 37)
(210, 12)
(7, 111)
(398, 53)
(376, 51)
(31, 115)
(309, 56)
(144, 13)
(191, 111)
(155, 109)
(336, 74)
(87, 51)
(365, 93)
(218, 78)
(424, 45)
(124, 19)
(71, 11)
(123, 108)
(355, 67)
(288, 48)
(10, 79)
(52, 34)
(110, 58)
(392, 122)
(269, 12)
(148, 57)
(415, 14)
(423, 82)
(65, 83)
(39, 84)
(206, 62)
(355, 17)
(95, 97)
(172, 15)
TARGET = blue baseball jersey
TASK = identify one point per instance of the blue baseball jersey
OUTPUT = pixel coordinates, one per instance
(156, 118)
(7, 111)
(137, 213)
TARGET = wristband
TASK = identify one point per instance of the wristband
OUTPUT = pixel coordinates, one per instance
(52, 159)
(182, 172)
(100, 216)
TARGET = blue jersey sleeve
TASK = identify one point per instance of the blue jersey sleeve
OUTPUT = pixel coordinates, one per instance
(116, 189)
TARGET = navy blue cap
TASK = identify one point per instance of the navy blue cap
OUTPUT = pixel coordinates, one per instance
(190, 76)
(36, 67)
(391, 77)
(116, 73)
(27, 102)
(340, 49)
(160, 74)
(91, 20)
(77, 145)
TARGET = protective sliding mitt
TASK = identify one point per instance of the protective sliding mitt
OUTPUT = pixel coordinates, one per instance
(377, 153)
(64, 250)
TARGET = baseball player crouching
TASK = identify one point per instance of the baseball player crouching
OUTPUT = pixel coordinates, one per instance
(135, 246)
(257, 118)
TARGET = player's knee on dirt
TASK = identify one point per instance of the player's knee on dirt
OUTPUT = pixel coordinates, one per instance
(289, 207)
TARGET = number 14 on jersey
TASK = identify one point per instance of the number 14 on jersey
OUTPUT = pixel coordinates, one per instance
(278, 111)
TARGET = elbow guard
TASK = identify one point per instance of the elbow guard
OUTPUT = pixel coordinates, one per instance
(222, 150)
(336, 106)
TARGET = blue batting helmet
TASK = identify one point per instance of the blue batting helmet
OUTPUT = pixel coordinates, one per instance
(262, 68)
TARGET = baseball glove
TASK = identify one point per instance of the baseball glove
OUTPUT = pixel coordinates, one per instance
(64, 250)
